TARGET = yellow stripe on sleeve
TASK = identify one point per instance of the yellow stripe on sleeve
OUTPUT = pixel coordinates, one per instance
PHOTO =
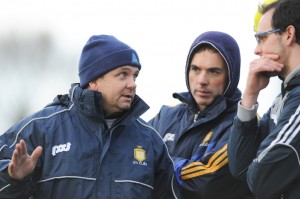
(196, 169)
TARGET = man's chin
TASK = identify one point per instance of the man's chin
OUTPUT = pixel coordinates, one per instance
(125, 107)
(203, 103)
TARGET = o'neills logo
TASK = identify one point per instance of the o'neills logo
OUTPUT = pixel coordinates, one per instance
(60, 148)
(140, 156)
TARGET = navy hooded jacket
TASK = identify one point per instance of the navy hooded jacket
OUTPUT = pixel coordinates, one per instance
(82, 158)
(198, 140)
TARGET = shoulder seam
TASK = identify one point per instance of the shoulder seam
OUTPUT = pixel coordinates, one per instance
(38, 118)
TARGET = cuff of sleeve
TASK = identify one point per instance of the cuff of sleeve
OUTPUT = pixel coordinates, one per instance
(4, 164)
(177, 169)
(245, 114)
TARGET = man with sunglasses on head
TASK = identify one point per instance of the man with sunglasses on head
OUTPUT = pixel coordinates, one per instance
(265, 151)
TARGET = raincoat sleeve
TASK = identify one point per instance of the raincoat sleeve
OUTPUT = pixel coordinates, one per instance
(244, 140)
(206, 173)
(10, 188)
(276, 167)
(266, 154)
(242, 147)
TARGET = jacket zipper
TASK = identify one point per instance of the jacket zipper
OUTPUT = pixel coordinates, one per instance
(196, 116)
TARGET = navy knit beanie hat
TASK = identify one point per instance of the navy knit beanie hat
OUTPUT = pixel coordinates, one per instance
(103, 53)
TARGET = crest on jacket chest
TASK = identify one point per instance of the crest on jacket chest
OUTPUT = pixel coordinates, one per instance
(206, 139)
(140, 155)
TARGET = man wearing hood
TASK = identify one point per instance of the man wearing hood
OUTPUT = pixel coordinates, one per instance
(196, 131)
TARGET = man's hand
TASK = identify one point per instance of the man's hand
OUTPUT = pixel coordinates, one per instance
(21, 163)
(257, 78)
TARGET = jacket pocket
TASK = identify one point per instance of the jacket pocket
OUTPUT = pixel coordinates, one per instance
(131, 189)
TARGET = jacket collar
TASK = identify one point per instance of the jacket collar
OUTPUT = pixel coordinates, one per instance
(90, 103)
(293, 78)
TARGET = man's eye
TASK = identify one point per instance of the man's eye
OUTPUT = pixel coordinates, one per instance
(194, 69)
(261, 38)
(215, 72)
(123, 74)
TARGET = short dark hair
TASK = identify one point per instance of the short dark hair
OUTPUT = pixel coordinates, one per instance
(287, 12)
(266, 8)
(205, 46)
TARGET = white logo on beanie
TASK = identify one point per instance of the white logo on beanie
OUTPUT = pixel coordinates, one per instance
(134, 58)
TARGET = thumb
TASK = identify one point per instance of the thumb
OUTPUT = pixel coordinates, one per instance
(36, 154)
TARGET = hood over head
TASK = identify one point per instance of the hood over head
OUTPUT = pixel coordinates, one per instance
(228, 49)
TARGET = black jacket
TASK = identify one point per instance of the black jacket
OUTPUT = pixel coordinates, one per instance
(266, 151)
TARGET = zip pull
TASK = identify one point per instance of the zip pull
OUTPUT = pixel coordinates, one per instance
(196, 116)
(105, 134)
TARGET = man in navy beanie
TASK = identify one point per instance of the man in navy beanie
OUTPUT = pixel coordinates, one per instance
(92, 142)
(103, 53)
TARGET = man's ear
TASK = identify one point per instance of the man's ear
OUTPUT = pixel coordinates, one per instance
(291, 35)
(92, 85)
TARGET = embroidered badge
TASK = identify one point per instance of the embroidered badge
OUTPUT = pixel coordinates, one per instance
(139, 154)
(207, 137)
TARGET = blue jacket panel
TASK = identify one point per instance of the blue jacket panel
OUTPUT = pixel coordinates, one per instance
(198, 144)
(82, 158)
(266, 151)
